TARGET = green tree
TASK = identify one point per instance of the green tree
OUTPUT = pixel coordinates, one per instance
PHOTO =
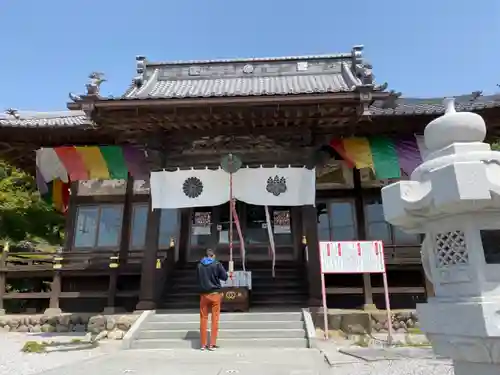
(24, 215)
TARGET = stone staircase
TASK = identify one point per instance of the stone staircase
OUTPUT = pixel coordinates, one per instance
(287, 289)
(237, 330)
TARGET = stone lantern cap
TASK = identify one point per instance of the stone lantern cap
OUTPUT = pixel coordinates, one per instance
(461, 174)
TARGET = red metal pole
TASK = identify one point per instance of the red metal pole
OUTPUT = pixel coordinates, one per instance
(231, 219)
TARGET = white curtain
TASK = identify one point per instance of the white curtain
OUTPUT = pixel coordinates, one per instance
(275, 186)
(50, 165)
(189, 188)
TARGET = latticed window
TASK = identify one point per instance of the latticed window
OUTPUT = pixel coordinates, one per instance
(450, 248)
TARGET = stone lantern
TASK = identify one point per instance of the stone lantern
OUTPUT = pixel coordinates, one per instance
(453, 197)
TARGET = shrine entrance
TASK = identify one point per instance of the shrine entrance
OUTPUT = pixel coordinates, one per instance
(209, 227)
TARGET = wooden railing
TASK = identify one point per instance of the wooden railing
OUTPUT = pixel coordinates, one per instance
(18, 265)
(402, 255)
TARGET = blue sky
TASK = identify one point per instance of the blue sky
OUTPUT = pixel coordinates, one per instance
(422, 48)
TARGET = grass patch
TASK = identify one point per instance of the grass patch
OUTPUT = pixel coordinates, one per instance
(34, 347)
(362, 341)
(415, 331)
(54, 346)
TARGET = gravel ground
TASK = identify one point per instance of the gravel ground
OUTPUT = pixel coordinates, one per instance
(15, 362)
(401, 367)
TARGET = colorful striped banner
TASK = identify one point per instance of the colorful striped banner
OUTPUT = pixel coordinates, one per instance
(90, 163)
(408, 154)
(387, 157)
(115, 161)
(358, 150)
(57, 195)
(73, 163)
(94, 162)
(136, 162)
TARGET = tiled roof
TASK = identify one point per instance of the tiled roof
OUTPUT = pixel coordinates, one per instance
(45, 119)
(434, 106)
(249, 77)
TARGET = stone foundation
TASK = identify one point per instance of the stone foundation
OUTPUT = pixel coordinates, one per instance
(367, 322)
(110, 326)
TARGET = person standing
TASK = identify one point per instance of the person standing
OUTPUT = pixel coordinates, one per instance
(210, 272)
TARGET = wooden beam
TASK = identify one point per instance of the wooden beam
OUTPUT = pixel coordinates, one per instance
(181, 102)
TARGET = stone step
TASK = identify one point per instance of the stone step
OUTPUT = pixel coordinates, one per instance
(256, 283)
(281, 275)
(223, 343)
(255, 293)
(224, 324)
(224, 334)
(229, 317)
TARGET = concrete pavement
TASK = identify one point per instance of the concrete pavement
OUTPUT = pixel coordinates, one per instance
(187, 361)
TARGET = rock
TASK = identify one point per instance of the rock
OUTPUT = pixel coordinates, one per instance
(355, 329)
(110, 323)
(62, 328)
(96, 324)
(334, 321)
(75, 319)
(379, 317)
(22, 328)
(116, 334)
(48, 328)
(101, 335)
(409, 323)
(124, 322)
(36, 328)
(405, 315)
(79, 328)
(14, 323)
(358, 323)
(52, 320)
(64, 320)
(44, 319)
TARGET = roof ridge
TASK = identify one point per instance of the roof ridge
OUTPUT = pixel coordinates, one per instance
(250, 59)
(26, 115)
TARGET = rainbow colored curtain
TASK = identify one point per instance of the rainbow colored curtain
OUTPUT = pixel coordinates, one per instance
(386, 156)
(56, 167)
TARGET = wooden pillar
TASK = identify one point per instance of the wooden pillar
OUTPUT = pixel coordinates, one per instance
(310, 221)
(296, 223)
(114, 273)
(3, 278)
(69, 228)
(55, 292)
(69, 235)
(147, 300)
(361, 232)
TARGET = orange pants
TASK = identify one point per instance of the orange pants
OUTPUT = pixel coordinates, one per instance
(209, 303)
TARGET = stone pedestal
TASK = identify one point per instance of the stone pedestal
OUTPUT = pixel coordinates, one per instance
(454, 198)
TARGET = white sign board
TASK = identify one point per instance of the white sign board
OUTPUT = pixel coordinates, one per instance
(238, 279)
(352, 257)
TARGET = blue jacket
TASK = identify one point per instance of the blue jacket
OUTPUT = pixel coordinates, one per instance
(209, 273)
